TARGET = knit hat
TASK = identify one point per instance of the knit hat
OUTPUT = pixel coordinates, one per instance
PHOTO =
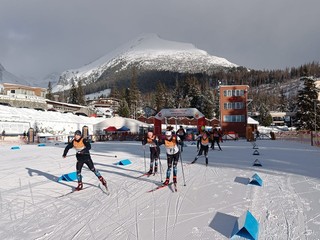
(78, 132)
(168, 133)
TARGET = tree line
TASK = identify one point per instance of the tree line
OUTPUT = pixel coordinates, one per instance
(158, 90)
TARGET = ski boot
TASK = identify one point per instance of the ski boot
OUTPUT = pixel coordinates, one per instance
(175, 179)
(150, 171)
(175, 183)
(155, 169)
(166, 182)
(79, 187)
(103, 181)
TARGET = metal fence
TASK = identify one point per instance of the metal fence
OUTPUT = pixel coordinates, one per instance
(307, 137)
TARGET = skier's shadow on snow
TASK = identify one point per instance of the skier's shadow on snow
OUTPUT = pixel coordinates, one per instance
(124, 174)
(223, 223)
(51, 177)
(115, 165)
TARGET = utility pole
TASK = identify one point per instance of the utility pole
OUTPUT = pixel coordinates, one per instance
(314, 137)
(315, 121)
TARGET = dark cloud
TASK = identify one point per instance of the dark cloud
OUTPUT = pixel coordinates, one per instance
(38, 37)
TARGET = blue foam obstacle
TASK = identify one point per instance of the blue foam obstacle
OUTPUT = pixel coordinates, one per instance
(246, 226)
(69, 177)
(41, 145)
(15, 147)
(256, 180)
(124, 162)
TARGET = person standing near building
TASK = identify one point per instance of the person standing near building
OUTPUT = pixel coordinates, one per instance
(152, 141)
(216, 138)
(171, 145)
(3, 134)
(203, 141)
(182, 135)
(82, 146)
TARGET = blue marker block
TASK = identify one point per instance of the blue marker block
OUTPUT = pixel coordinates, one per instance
(256, 180)
(15, 147)
(246, 226)
(69, 177)
(41, 145)
(124, 162)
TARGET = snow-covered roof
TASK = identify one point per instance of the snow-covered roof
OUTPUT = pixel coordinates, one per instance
(252, 121)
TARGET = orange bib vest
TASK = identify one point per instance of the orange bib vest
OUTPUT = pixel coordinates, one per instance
(79, 145)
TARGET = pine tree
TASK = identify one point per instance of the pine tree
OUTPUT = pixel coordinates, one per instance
(80, 94)
(306, 105)
(123, 109)
(180, 100)
(265, 118)
(133, 95)
(160, 95)
(193, 92)
(208, 103)
(49, 94)
(283, 102)
(115, 93)
(73, 95)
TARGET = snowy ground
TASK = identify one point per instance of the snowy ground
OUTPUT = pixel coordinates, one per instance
(33, 205)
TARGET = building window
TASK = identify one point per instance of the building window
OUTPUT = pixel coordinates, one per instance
(13, 91)
(233, 118)
(233, 105)
(233, 93)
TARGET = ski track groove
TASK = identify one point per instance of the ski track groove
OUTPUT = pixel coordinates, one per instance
(71, 197)
(284, 213)
(90, 214)
(120, 225)
(167, 216)
(137, 221)
(154, 216)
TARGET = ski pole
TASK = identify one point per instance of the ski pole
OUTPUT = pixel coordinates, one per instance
(71, 155)
(103, 155)
(160, 168)
(184, 180)
(144, 156)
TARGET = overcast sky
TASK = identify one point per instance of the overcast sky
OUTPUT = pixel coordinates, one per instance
(38, 37)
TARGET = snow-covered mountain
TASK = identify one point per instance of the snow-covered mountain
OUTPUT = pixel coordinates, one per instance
(7, 77)
(52, 77)
(148, 52)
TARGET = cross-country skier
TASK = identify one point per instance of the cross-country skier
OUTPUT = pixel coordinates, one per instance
(203, 141)
(152, 141)
(82, 146)
(171, 145)
(216, 135)
(182, 134)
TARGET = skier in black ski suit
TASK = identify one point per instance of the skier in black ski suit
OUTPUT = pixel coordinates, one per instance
(152, 141)
(171, 145)
(203, 141)
(182, 135)
(82, 146)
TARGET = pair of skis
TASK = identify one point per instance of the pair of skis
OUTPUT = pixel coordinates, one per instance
(163, 186)
(147, 174)
(104, 189)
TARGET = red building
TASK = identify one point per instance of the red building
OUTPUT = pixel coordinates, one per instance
(233, 109)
